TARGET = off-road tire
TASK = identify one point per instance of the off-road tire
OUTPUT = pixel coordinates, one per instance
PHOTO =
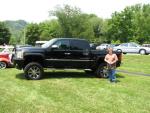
(33, 71)
(101, 71)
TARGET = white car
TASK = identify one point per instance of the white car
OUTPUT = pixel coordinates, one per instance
(39, 43)
(132, 48)
(102, 46)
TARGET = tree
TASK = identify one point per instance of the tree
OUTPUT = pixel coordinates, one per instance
(73, 22)
(50, 29)
(99, 27)
(121, 26)
(32, 33)
(4, 33)
(67, 18)
(131, 24)
(143, 23)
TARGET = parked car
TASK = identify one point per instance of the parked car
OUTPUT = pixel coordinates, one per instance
(61, 53)
(93, 46)
(146, 45)
(5, 60)
(6, 49)
(132, 48)
(105, 46)
(102, 46)
(6, 53)
(113, 45)
(40, 43)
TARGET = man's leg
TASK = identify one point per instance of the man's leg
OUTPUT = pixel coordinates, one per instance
(113, 75)
(110, 75)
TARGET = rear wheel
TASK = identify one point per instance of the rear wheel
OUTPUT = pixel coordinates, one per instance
(142, 52)
(3, 65)
(101, 71)
(33, 71)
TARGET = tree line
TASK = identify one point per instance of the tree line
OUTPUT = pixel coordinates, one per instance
(131, 24)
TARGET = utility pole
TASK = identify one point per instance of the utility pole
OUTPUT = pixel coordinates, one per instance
(24, 35)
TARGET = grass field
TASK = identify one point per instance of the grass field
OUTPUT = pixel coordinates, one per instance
(75, 92)
(136, 63)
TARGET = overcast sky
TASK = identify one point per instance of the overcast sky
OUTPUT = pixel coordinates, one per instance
(37, 10)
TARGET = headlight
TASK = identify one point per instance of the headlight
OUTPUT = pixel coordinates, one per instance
(19, 54)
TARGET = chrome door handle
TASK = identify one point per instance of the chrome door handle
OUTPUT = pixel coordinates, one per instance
(67, 53)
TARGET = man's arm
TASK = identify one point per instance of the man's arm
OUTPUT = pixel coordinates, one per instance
(106, 59)
(116, 59)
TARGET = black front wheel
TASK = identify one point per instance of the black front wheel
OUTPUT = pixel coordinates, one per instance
(3, 65)
(33, 71)
(101, 71)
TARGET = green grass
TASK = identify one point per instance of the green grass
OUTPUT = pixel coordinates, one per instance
(136, 63)
(73, 92)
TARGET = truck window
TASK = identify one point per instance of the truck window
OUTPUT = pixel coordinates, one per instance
(63, 44)
(79, 45)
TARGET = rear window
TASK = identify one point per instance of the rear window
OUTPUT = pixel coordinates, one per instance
(79, 45)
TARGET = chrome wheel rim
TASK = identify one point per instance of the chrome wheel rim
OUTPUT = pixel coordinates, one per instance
(34, 72)
(104, 72)
(2, 65)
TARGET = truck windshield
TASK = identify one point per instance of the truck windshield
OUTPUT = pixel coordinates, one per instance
(47, 44)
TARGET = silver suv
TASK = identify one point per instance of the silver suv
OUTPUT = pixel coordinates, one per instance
(132, 48)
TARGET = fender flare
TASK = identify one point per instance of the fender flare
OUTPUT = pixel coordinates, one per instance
(4, 60)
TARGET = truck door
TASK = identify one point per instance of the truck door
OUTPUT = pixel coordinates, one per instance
(58, 54)
(79, 53)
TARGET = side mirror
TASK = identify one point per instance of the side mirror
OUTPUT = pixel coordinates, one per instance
(54, 46)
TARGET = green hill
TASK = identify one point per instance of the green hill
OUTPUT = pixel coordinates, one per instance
(16, 29)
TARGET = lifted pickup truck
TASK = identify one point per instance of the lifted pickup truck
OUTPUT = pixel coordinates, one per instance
(61, 53)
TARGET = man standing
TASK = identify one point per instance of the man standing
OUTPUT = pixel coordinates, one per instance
(111, 60)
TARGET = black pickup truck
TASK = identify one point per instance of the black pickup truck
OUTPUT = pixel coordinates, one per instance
(61, 53)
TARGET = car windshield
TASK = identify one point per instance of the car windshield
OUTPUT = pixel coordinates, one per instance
(112, 45)
(47, 44)
(134, 44)
(137, 45)
(124, 44)
(104, 44)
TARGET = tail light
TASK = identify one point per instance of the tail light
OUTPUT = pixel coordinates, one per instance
(120, 57)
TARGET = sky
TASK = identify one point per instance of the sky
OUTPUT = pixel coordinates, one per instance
(37, 10)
